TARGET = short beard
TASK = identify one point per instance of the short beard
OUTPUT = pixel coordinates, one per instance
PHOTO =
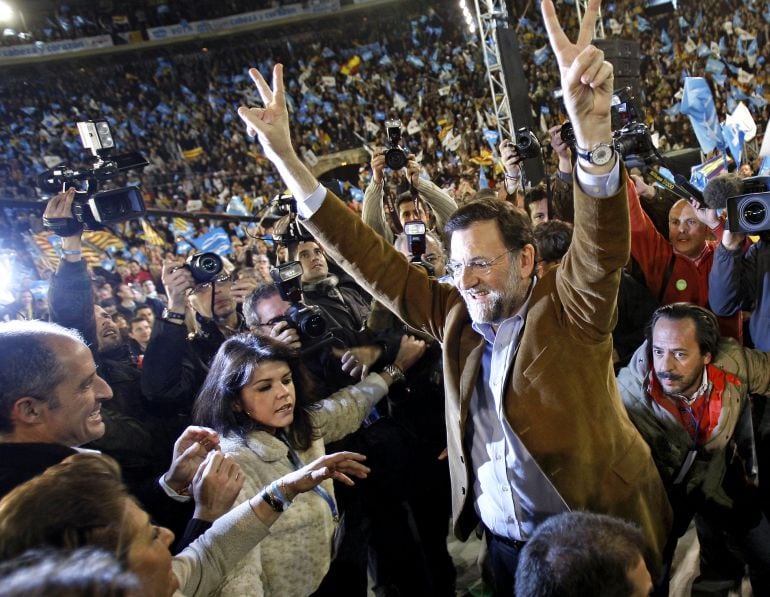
(504, 302)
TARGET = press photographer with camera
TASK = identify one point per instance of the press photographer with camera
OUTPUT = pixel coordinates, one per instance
(204, 295)
(408, 206)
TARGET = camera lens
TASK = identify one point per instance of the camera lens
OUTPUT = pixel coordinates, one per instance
(313, 325)
(209, 264)
(754, 213)
(395, 158)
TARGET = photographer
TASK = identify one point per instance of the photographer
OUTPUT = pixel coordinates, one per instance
(177, 359)
(408, 208)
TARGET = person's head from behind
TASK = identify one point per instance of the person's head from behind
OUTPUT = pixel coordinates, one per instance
(314, 265)
(682, 339)
(686, 232)
(580, 553)
(552, 239)
(538, 204)
(50, 391)
(82, 572)
(257, 383)
(93, 508)
(408, 209)
(492, 258)
(263, 308)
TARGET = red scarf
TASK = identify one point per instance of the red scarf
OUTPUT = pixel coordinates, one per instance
(701, 417)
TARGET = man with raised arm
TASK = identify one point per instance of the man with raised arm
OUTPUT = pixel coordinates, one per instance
(535, 425)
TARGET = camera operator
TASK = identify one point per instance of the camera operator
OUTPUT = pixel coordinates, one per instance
(137, 435)
(177, 359)
(408, 208)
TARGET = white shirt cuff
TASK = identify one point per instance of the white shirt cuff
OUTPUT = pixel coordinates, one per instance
(171, 493)
(307, 206)
(600, 185)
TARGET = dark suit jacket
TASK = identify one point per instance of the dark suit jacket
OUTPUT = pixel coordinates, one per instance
(561, 397)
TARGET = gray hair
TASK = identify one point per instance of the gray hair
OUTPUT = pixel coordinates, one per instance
(29, 366)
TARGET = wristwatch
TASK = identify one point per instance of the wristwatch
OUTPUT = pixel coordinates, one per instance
(395, 372)
(599, 155)
(171, 315)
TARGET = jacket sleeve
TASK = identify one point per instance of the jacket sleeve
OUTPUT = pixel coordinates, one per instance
(372, 212)
(71, 300)
(589, 276)
(342, 413)
(729, 280)
(385, 273)
(203, 565)
(562, 197)
(648, 247)
(169, 373)
(443, 205)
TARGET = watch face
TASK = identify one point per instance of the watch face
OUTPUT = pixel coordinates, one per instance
(602, 154)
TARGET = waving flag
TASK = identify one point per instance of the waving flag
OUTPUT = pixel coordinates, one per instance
(698, 104)
(214, 241)
(734, 137)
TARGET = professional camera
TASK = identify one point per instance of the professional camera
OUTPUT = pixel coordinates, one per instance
(395, 157)
(204, 267)
(625, 109)
(308, 320)
(567, 133)
(287, 230)
(635, 139)
(750, 212)
(631, 136)
(415, 239)
(92, 209)
(527, 145)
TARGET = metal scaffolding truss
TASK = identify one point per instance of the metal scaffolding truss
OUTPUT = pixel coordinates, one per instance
(492, 15)
(581, 6)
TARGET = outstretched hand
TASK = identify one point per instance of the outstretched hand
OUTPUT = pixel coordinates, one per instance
(331, 466)
(271, 123)
(586, 78)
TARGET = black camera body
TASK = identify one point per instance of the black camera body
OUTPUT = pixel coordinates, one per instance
(750, 212)
(625, 109)
(91, 209)
(527, 145)
(204, 267)
(635, 139)
(308, 320)
(395, 156)
(567, 133)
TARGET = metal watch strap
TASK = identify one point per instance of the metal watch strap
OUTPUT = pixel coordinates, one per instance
(395, 372)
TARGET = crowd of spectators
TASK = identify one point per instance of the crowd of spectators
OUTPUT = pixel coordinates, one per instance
(71, 20)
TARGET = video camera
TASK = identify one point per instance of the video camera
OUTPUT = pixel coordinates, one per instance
(308, 320)
(94, 209)
(630, 135)
(395, 157)
(415, 239)
(750, 212)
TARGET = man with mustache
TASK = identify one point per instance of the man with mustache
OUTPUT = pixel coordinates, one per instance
(687, 391)
(535, 426)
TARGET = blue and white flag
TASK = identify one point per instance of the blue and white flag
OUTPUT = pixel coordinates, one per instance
(734, 137)
(764, 168)
(698, 104)
(666, 41)
(214, 241)
(715, 67)
(540, 56)
(703, 50)
(236, 207)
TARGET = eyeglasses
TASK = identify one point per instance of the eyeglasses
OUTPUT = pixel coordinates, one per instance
(477, 268)
(220, 279)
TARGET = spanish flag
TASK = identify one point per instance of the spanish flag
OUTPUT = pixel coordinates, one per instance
(351, 66)
(191, 154)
